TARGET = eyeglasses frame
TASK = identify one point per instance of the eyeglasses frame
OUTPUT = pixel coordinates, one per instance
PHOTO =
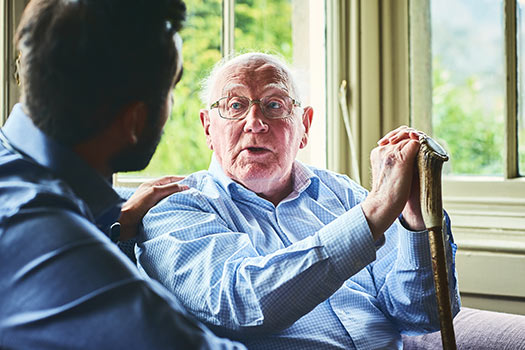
(295, 103)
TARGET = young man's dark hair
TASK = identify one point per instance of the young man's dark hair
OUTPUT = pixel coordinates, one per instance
(96, 82)
(83, 60)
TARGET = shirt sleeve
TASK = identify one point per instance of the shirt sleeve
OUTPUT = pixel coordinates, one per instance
(403, 279)
(222, 278)
(65, 285)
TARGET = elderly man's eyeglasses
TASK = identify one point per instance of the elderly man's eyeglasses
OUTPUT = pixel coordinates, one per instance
(272, 107)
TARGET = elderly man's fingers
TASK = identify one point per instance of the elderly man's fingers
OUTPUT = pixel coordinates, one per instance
(396, 150)
(392, 179)
(409, 148)
(408, 133)
(386, 139)
(401, 133)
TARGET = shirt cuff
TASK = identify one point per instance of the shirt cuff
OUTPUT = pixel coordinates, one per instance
(349, 243)
(414, 248)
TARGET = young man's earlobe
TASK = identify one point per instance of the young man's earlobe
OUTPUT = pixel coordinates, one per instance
(134, 118)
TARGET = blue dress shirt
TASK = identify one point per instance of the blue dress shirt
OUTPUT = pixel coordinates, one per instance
(304, 274)
(63, 283)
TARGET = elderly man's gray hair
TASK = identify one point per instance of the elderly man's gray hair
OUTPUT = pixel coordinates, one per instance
(228, 61)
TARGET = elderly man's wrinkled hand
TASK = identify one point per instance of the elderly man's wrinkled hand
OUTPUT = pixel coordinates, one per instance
(147, 195)
(395, 187)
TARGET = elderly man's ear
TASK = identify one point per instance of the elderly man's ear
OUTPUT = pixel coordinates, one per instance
(308, 114)
(205, 120)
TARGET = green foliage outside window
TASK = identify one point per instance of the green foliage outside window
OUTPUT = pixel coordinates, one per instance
(471, 133)
(264, 25)
(260, 25)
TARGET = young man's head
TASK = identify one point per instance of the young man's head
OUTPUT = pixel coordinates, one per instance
(85, 62)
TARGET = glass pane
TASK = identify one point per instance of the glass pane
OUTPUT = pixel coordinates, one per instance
(469, 84)
(183, 147)
(521, 101)
(264, 25)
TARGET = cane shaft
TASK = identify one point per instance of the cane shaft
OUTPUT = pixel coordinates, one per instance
(430, 162)
(439, 267)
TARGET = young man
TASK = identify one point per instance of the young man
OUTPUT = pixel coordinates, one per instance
(97, 77)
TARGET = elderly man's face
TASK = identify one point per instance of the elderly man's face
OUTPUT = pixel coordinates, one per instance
(255, 151)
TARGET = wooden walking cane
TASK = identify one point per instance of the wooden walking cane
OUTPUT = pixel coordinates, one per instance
(430, 162)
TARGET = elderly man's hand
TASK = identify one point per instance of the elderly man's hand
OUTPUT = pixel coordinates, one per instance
(147, 195)
(395, 186)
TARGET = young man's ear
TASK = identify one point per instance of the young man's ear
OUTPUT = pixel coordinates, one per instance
(308, 114)
(205, 121)
(133, 119)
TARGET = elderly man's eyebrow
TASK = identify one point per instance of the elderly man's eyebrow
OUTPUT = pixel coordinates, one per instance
(231, 87)
(279, 87)
(276, 86)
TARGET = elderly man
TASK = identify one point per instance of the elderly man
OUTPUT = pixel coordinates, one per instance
(281, 255)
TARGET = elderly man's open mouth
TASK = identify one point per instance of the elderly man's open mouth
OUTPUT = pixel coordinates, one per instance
(256, 150)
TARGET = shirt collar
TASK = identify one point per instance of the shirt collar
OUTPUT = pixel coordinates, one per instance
(304, 179)
(224, 181)
(85, 181)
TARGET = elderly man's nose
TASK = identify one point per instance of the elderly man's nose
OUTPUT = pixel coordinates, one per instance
(254, 120)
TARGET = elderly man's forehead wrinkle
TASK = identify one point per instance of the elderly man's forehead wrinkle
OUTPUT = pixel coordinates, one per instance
(255, 77)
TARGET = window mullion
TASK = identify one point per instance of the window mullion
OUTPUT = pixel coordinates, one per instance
(4, 73)
(10, 13)
(420, 65)
(228, 27)
(511, 91)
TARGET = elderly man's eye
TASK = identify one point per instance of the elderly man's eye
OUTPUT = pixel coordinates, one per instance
(274, 105)
(236, 104)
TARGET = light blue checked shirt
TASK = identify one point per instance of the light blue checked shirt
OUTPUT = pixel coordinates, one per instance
(304, 274)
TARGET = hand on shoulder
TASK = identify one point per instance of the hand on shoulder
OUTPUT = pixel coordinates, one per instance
(147, 195)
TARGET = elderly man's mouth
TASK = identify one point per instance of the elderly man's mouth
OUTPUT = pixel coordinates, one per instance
(256, 150)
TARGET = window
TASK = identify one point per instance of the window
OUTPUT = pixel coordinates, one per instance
(468, 92)
(466, 60)
(244, 25)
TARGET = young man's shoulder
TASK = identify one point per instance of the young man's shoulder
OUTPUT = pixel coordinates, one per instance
(28, 187)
